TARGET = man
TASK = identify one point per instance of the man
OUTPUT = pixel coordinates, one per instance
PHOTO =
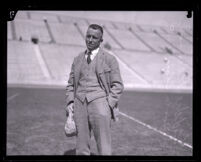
(93, 90)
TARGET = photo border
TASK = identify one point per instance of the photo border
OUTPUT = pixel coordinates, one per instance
(191, 6)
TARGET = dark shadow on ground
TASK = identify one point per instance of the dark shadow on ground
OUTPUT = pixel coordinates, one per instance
(72, 152)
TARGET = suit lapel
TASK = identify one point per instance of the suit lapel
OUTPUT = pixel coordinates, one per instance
(100, 64)
(78, 66)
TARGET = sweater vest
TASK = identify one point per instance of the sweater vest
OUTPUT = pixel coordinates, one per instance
(88, 85)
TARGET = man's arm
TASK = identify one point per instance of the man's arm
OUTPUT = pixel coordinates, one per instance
(70, 87)
(116, 83)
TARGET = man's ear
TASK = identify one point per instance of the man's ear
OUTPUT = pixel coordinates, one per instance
(101, 39)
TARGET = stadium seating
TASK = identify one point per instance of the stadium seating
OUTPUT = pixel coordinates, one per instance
(73, 20)
(66, 34)
(155, 70)
(149, 56)
(154, 42)
(127, 40)
(23, 66)
(61, 65)
(25, 29)
(106, 24)
(182, 45)
(41, 17)
(9, 31)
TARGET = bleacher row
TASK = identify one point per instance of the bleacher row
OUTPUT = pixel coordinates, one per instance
(149, 56)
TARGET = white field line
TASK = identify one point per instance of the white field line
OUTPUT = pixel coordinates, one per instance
(158, 131)
(41, 61)
(128, 68)
(12, 97)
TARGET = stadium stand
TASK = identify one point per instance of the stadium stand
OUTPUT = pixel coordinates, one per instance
(68, 19)
(66, 34)
(185, 33)
(127, 40)
(156, 70)
(156, 56)
(187, 60)
(23, 66)
(106, 24)
(126, 26)
(41, 17)
(178, 43)
(154, 42)
(189, 31)
(151, 29)
(9, 31)
(26, 29)
(60, 67)
(23, 15)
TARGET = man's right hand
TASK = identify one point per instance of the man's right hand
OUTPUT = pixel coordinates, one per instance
(69, 108)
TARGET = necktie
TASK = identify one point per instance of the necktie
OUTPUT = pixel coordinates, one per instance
(88, 57)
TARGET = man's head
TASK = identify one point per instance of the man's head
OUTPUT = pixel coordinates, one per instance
(94, 36)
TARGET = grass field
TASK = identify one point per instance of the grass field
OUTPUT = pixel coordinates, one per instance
(36, 117)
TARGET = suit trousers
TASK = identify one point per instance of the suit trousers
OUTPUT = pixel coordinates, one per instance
(96, 116)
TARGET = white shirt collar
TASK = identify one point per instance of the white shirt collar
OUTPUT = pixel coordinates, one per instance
(93, 53)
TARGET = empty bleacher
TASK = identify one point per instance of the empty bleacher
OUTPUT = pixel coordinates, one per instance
(126, 40)
(158, 69)
(179, 43)
(26, 29)
(149, 56)
(9, 31)
(41, 17)
(155, 43)
(66, 34)
(22, 63)
(60, 65)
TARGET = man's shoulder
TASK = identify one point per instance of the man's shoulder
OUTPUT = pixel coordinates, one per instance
(108, 55)
(79, 55)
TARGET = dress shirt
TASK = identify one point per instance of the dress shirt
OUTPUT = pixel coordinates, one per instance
(93, 53)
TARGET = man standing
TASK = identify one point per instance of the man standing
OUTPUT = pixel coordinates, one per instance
(93, 90)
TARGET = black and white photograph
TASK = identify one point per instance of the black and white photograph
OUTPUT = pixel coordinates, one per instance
(100, 83)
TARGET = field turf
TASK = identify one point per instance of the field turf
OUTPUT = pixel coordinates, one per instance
(36, 117)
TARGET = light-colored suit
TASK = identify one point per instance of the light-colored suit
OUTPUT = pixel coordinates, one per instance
(109, 78)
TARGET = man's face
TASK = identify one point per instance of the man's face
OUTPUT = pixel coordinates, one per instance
(93, 38)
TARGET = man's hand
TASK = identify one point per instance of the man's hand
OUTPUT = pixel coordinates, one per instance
(69, 108)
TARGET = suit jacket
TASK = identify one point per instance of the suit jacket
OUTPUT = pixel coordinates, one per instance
(108, 74)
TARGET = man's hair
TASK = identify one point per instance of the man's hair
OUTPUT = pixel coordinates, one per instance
(96, 26)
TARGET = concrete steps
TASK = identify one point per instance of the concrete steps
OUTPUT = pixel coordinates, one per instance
(149, 56)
